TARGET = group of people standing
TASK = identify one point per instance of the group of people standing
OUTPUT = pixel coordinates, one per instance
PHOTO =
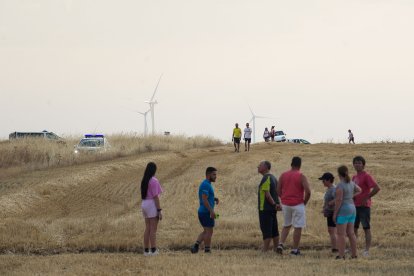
(269, 135)
(346, 206)
(236, 137)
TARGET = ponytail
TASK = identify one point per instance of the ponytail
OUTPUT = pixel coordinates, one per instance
(343, 172)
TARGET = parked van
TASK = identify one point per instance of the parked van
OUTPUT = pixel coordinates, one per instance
(43, 135)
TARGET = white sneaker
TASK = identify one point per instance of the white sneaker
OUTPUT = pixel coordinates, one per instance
(155, 253)
(365, 253)
(147, 254)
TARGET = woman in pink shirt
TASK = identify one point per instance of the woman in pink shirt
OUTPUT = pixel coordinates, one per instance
(151, 209)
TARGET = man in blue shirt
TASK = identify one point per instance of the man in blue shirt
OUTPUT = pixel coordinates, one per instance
(206, 214)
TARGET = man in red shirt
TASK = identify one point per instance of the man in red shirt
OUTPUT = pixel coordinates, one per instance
(363, 200)
(294, 192)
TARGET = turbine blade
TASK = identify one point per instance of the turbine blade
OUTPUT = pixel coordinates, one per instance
(156, 87)
(251, 110)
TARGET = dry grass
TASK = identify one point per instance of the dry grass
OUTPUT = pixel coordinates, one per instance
(32, 154)
(94, 207)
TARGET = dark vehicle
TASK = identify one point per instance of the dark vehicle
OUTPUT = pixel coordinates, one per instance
(39, 135)
(298, 141)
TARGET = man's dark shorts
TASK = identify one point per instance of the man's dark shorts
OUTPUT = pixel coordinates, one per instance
(268, 224)
(236, 140)
(205, 219)
(248, 140)
(330, 221)
(363, 216)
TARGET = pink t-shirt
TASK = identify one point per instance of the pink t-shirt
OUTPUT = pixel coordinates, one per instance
(154, 188)
(292, 188)
(366, 183)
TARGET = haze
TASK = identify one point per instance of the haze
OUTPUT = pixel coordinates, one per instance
(318, 67)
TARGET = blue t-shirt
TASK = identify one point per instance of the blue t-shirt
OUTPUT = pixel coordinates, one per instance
(207, 189)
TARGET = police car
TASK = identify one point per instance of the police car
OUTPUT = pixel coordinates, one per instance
(92, 143)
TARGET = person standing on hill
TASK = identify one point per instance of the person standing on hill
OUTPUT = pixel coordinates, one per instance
(272, 133)
(345, 212)
(268, 203)
(294, 192)
(247, 137)
(350, 137)
(206, 214)
(236, 136)
(266, 134)
(151, 209)
(329, 207)
(363, 201)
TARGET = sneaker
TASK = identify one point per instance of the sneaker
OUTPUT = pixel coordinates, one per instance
(155, 253)
(207, 251)
(147, 254)
(194, 249)
(295, 253)
(365, 253)
(340, 258)
(279, 249)
(334, 250)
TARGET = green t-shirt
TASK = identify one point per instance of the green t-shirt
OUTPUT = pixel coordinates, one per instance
(268, 184)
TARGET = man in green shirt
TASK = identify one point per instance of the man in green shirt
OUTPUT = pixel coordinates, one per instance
(235, 137)
(268, 204)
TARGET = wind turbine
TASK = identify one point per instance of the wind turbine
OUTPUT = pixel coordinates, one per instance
(253, 120)
(145, 121)
(152, 103)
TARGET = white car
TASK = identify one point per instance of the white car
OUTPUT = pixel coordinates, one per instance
(92, 143)
(280, 136)
(298, 141)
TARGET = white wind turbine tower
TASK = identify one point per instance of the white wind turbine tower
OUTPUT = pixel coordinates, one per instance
(253, 120)
(152, 103)
(145, 121)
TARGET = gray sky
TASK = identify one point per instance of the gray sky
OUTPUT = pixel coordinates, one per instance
(319, 67)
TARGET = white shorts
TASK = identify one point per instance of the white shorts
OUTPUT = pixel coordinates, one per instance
(294, 215)
(149, 210)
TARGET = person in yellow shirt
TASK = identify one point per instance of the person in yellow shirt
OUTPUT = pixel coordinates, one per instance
(236, 136)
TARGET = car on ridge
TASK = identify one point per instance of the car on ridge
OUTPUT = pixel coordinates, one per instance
(92, 143)
(298, 141)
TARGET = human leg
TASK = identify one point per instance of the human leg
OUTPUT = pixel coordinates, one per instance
(332, 235)
(153, 222)
(365, 217)
(340, 239)
(208, 234)
(147, 234)
(287, 222)
(297, 233)
(352, 239)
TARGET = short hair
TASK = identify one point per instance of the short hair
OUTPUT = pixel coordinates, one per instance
(209, 170)
(296, 162)
(359, 158)
(267, 164)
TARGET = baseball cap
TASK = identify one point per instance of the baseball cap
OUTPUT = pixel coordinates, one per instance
(327, 176)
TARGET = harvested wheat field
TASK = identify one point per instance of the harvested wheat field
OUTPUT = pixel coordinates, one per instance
(85, 218)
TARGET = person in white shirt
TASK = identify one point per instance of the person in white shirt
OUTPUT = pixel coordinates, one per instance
(247, 137)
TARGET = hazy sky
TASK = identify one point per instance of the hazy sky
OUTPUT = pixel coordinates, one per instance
(319, 67)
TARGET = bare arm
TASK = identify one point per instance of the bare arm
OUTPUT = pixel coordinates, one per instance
(357, 190)
(374, 191)
(306, 186)
(157, 204)
(339, 194)
(279, 187)
(207, 205)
